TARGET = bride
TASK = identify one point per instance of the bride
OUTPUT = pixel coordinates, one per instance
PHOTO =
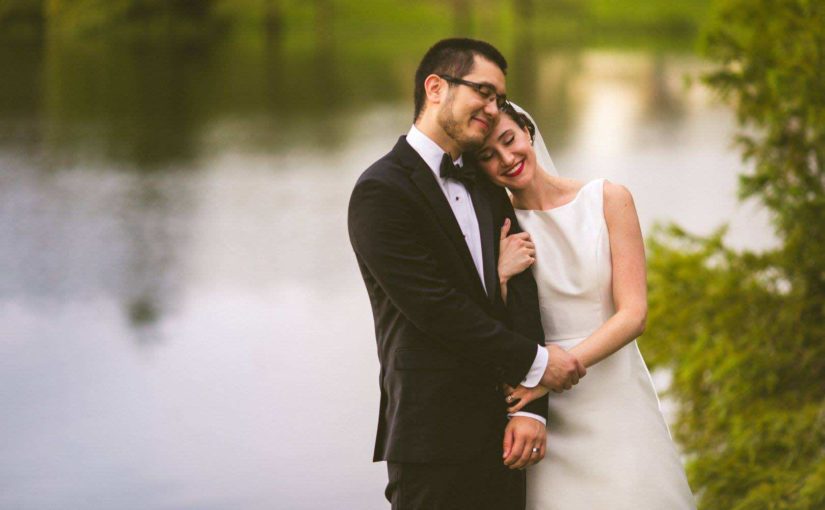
(608, 446)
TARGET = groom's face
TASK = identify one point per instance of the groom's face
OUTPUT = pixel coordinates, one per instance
(465, 115)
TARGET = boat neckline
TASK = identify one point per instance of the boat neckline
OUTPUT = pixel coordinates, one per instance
(578, 194)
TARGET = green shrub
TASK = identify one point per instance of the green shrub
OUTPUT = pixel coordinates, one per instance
(744, 332)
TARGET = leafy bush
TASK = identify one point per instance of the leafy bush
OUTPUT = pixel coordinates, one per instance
(744, 332)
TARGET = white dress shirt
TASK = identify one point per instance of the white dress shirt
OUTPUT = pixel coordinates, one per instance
(462, 207)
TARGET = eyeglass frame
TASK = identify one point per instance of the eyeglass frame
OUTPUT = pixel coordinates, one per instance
(500, 99)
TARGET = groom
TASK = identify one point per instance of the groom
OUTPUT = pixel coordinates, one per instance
(425, 228)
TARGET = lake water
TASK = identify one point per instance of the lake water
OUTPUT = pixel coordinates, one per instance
(182, 322)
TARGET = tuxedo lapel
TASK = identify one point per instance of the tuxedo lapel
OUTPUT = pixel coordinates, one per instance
(484, 214)
(424, 179)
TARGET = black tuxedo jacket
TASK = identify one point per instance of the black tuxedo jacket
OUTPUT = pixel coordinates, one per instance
(445, 346)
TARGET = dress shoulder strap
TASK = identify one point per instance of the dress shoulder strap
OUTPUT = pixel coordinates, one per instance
(593, 198)
(593, 193)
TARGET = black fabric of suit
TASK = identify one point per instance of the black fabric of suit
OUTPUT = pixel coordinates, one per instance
(472, 486)
(444, 345)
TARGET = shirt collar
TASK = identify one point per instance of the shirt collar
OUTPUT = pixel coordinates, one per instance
(429, 151)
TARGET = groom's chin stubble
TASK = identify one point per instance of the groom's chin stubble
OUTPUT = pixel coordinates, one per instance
(471, 144)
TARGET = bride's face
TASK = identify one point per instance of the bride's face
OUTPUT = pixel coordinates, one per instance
(507, 156)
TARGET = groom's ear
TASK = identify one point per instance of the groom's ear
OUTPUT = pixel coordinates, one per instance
(434, 88)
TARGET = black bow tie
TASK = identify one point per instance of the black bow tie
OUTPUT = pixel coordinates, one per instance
(463, 174)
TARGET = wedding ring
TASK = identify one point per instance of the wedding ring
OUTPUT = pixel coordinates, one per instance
(509, 398)
(535, 450)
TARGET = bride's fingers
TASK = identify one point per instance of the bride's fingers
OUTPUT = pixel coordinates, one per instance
(514, 394)
(505, 228)
(519, 402)
(516, 407)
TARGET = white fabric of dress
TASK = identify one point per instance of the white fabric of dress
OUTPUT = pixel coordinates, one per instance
(608, 446)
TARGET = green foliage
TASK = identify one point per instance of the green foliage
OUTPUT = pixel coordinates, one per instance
(744, 333)
(148, 19)
(21, 18)
(651, 24)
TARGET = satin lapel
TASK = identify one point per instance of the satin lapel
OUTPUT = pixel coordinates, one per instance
(426, 182)
(484, 214)
(424, 179)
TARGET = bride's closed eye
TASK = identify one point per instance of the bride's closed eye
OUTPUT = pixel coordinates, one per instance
(485, 155)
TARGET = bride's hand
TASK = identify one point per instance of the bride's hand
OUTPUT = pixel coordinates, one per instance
(521, 396)
(516, 252)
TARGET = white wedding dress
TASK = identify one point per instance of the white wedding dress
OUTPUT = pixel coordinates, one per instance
(608, 446)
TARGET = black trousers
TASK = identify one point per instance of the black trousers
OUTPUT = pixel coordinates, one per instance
(476, 486)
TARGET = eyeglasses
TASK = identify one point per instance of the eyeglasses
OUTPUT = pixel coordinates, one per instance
(487, 92)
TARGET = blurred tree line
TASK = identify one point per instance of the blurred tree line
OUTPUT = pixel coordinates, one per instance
(744, 332)
(569, 21)
(147, 79)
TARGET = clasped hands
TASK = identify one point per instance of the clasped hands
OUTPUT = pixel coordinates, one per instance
(525, 439)
(563, 372)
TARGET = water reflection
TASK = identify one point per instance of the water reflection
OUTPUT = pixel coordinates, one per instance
(181, 320)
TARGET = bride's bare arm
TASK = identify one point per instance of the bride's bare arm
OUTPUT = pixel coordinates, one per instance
(629, 290)
(516, 253)
(629, 279)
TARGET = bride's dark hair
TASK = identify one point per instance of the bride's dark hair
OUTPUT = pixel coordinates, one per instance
(522, 120)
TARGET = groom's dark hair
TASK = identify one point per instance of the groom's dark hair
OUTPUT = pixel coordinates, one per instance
(454, 57)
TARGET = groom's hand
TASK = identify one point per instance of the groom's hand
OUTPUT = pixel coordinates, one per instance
(525, 442)
(563, 370)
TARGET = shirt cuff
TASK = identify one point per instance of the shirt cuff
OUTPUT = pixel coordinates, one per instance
(533, 377)
(530, 415)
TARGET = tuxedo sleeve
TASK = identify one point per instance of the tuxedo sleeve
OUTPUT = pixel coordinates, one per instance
(389, 240)
(522, 304)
